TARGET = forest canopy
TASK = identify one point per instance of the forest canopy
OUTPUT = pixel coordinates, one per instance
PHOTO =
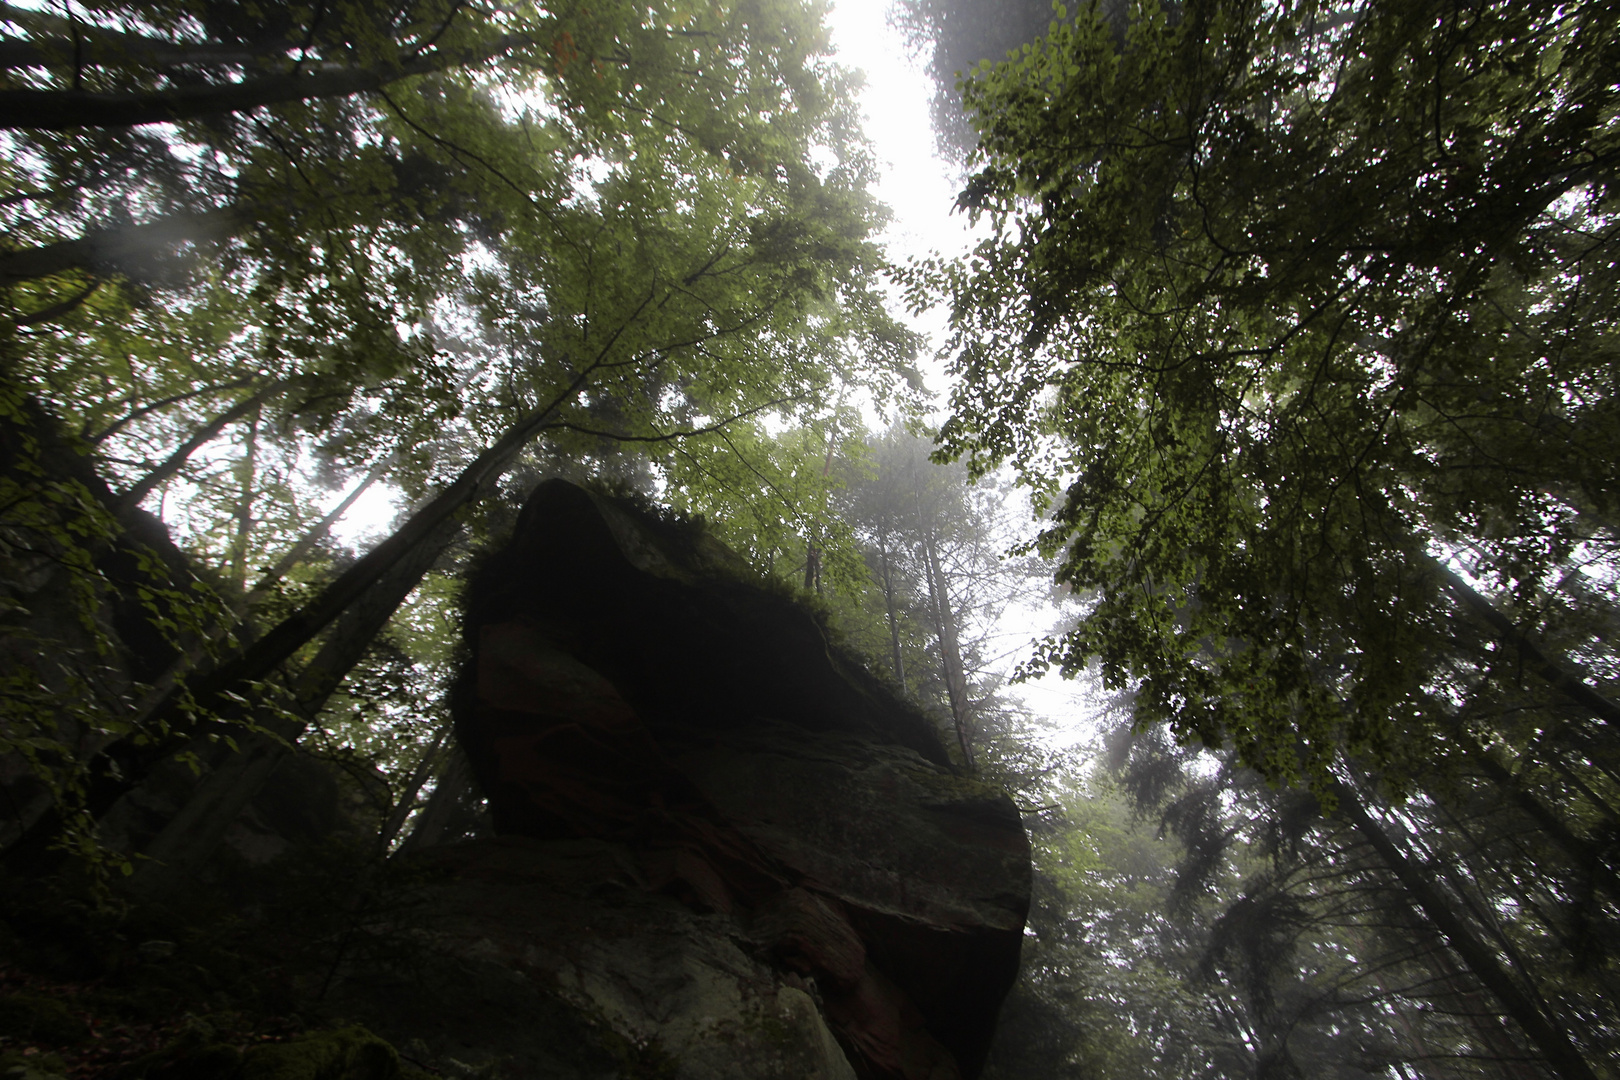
(1299, 318)
(1295, 321)
(260, 251)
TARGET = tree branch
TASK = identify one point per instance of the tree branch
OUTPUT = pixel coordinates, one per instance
(204, 435)
(1561, 1054)
(1567, 683)
(110, 250)
(61, 307)
(65, 110)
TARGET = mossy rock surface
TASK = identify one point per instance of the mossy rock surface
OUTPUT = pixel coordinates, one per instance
(346, 1054)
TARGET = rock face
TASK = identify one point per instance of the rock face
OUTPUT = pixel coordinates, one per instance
(721, 838)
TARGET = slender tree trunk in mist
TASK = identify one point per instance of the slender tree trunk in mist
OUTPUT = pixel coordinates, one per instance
(316, 532)
(265, 655)
(1562, 1056)
(455, 781)
(194, 834)
(1571, 683)
(431, 760)
(888, 601)
(200, 438)
(412, 548)
(1420, 1051)
(1487, 1022)
(244, 502)
(107, 250)
(950, 651)
(65, 110)
(1581, 851)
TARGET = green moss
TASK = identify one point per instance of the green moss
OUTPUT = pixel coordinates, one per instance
(15, 1066)
(36, 1019)
(346, 1054)
(638, 1060)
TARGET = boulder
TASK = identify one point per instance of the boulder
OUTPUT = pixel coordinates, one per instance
(720, 834)
(560, 959)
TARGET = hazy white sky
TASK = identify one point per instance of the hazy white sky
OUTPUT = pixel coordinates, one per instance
(917, 185)
(921, 189)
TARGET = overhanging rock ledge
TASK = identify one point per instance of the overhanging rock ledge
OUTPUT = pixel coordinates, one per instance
(723, 845)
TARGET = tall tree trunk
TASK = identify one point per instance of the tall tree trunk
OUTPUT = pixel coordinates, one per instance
(888, 602)
(1562, 1056)
(950, 651)
(200, 438)
(266, 654)
(1583, 853)
(194, 834)
(152, 406)
(306, 543)
(122, 765)
(430, 761)
(812, 566)
(244, 503)
(110, 251)
(454, 783)
(65, 110)
(164, 684)
(1488, 1024)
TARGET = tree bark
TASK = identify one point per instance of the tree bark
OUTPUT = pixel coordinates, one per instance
(812, 567)
(244, 503)
(61, 307)
(65, 110)
(1585, 855)
(306, 543)
(152, 406)
(57, 40)
(454, 783)
(950, 651)
(293, 632)
(407, 797)
(107, 251)
(888, 601)
(196, 832)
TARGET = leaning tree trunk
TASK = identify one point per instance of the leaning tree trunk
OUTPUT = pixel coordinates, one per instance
(455, 781)
(121, 766)
(200, 438)
(246, 498)
(1562, 1056)
(1560, 674)
(196, 832)
(66, 110)
(431, 760)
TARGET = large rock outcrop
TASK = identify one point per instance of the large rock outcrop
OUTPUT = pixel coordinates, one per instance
(721, 837)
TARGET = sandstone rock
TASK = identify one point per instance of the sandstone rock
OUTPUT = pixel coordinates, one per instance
(798, 854)
(558, 959)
